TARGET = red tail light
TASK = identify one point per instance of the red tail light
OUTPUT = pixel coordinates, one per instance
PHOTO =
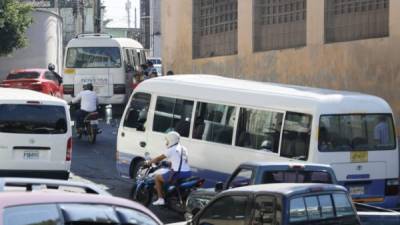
(69, 150)
(200, 182)
(36, 86)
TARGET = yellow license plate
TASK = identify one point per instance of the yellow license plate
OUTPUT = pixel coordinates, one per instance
(69, 71)
(357, 157)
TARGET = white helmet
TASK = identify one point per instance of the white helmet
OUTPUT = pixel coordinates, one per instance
(172, 138)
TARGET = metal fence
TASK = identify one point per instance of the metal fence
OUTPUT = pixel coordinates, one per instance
(214, 28)
(279, 24)
(347, 20)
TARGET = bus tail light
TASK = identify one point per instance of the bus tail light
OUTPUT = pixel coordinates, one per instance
(69, 150)
(68, 89)
(392, 187)
(119, 88)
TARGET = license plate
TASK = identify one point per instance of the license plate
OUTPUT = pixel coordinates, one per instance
(94, 122)
(31, 155)
(357, 190)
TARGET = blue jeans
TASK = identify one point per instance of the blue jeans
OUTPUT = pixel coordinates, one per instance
(173, 176)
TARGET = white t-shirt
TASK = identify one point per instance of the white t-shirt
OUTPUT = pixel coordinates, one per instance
(173, 155)
(88, 100)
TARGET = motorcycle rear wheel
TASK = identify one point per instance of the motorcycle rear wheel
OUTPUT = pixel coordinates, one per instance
(92, 134)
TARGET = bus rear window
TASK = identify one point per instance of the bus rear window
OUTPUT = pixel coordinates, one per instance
(93, 57)
(32, 119)
(23, 75)
(356, 132)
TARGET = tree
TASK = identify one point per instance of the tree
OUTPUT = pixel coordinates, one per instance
(15, 18)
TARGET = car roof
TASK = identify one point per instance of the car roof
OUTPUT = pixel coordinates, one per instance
(15, 94)
(287, 189)
(39, 70)
(280, 164)
(10, 199)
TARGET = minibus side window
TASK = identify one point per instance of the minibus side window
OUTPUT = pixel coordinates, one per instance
(214, 122)
(173, 114)
(259, 129)
(296, 136)
(136, 115)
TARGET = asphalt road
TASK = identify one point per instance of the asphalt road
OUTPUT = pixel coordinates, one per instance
(96, 163)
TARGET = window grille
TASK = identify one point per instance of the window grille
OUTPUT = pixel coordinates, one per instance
(347, 20)
(214, 28)
(279, 24)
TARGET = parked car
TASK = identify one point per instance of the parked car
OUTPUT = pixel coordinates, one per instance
(251, 173)
(41, 80)
(281, 204)
(35, 134)
(60, 207)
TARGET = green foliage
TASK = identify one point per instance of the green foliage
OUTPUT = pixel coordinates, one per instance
(15, 18)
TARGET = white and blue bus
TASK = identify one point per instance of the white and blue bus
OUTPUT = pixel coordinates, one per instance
(108, 63)
(224, 122)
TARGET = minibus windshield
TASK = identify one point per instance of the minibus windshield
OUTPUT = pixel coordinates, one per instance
(356, 132)
(32, 119)
(93, 57)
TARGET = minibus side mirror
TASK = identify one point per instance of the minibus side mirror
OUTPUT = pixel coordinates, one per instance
(219, 186)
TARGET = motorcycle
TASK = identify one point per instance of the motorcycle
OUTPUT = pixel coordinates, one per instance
(175, 194)
(90, 127)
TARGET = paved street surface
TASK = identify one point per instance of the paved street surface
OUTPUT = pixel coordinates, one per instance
(96, 163)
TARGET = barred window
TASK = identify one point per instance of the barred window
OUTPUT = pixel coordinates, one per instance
(279, 24)
(214, 28)
(347, 20)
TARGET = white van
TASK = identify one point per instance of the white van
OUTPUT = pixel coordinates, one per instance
(106, 62)
(224, 122)
(35, 134)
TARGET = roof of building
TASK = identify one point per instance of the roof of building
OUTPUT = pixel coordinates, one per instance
(14, 94)
(288, 188)
(238, 91)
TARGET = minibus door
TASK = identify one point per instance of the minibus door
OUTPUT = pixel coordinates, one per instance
(134, 135)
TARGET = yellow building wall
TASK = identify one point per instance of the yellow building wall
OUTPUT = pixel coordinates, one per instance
(370, 66)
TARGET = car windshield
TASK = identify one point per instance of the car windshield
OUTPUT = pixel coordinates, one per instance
(32, 119)
(93, 57)
(296, 177)
(356, 132)
(23, 75)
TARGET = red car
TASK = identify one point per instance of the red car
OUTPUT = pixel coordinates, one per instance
(41, 80)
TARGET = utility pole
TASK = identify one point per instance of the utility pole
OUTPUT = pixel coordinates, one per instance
(96, 16)
(135, 18)
(128, 11)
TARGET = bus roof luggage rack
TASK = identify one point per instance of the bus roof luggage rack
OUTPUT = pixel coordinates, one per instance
(102, 35)
(31, 183)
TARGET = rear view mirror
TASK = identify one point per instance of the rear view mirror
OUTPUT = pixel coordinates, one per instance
(219, 186)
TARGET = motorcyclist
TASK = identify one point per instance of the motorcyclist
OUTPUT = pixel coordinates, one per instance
(177, 155)
(89, 101)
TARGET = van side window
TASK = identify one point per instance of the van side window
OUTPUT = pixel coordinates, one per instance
(265, 211)
(214, 122)
(241, 178)
(296, 136)
(297, 210)
(259, 129)
(136, 116)
(342, 205)
(32, 214)
(173, 114)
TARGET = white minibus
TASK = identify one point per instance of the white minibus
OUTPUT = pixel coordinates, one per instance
(108, 63)
(224, 122)
(35, 134)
